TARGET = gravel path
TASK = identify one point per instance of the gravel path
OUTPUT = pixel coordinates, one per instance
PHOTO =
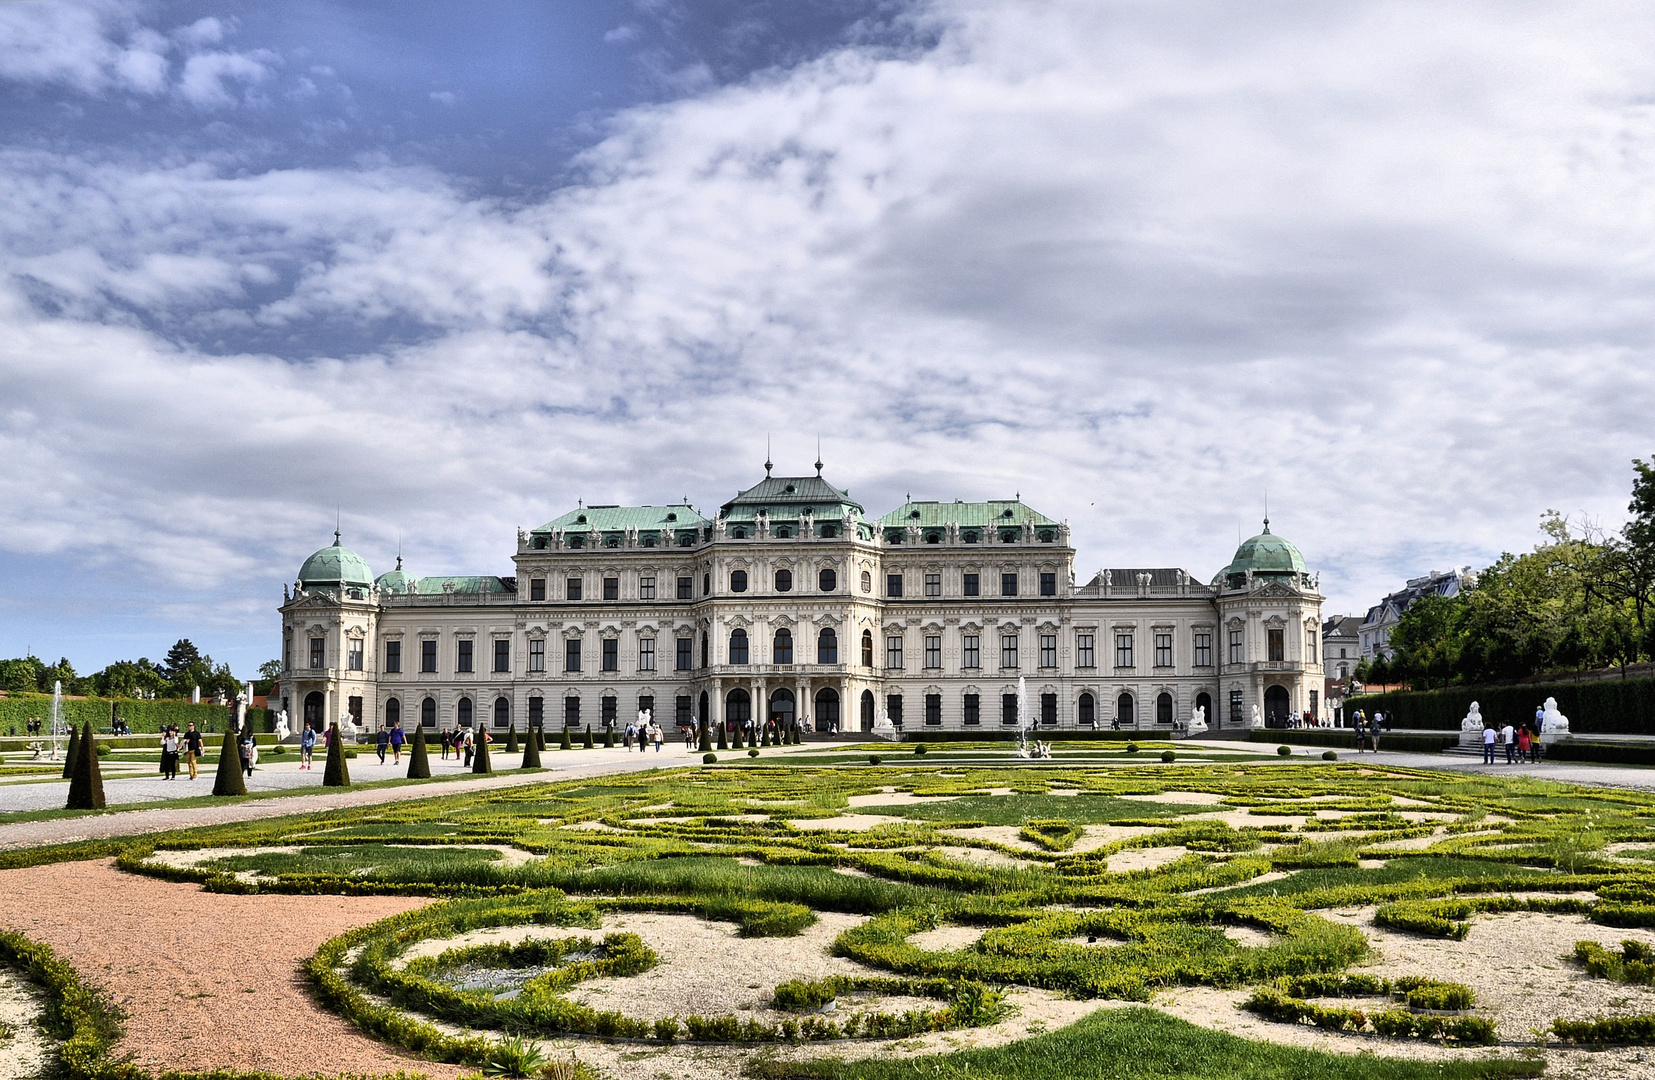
(208, 980)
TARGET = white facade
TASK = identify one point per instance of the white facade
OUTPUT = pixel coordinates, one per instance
(790, 604)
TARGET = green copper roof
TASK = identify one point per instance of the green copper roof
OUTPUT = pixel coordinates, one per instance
(620, 518)
(435, 586)
(1266, 555)
(336, 565)
(790, 496)
(395, 581)
(995, 512)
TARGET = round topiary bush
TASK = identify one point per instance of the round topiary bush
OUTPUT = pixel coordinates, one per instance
(1284, 751)
(103, 749)
(920, 750)
(752, 753)
(873, 759)
(1330, 755)
(350, 753)
(1168, 755)
(1132, 748)
(278, 750)
(709, 759)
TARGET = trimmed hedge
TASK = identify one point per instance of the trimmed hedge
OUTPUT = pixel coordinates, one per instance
(1609, 753)
(1607, 707)
(142, 716)
(987, 733)
(1345, 739)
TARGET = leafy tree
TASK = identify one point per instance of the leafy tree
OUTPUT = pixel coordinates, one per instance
(22, 675)
(271, 670)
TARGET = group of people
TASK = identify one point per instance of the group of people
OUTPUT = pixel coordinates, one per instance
(1367, 730)
(187, 745)
(1520, 743)
(390, 738)
(462, 741)
(643, 734)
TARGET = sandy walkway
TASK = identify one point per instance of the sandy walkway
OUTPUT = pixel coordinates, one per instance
(208, 981)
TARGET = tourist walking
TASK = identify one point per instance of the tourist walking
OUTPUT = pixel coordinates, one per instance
(1489, 736)
(192, 748)
(447, 742)
(1373, 732)
(1508, 736)
(307, 746)
(396, 742)
(626, 737)
(655, 735)
(382, 743)
(1525, 748)
(249, 751)
(169, 753)
(465, 741)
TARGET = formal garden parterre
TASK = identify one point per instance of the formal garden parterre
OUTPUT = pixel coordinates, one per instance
(785, 920)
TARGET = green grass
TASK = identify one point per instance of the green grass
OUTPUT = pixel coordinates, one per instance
(1397, 870)
(1141, 1044)
(1082, 809)
(375, 861)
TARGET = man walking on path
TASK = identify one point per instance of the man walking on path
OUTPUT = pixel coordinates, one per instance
(192, 747)
(307, 746)
(1488, 746)
(396, 742)
(1508, 735)
(1373, 732)
(382, 742)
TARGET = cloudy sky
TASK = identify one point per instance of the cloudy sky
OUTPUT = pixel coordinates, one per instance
(442, 269)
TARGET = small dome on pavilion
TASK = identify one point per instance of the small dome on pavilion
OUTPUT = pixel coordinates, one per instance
(1266, 555)
(395, 581)
(336, 565)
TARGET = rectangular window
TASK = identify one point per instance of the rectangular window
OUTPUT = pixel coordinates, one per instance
(1313, 697)
(572, 589)
(681, 710)
(972, 658)
(537, 654)
(610, 708)
(893, 653)
(933, 584)
(969, 585)
(428, 657)
(537, 713)
(393, 657)
(933, 709)
(1085, 655)
(1278, 648)
(611, 588)
(502, 655)
(571, 654)
(1203, 650)
(1123, 650)
(318, 652)
(1235, 706)
(1048, 650)
(1008, 584)
(1048, 708)
(287, 650)
(1048, 584)
(537, 588)
(1163, 649)
(646, 654)
(686, 653)
(1236, 653)
(1008, 650)
(973, 710)
(686, 588)
(893, 708)
(1008, 708)
(1309, 647)
(893, 584)
(571, 712)
(933, 650)
(646, 588)
(462, 655)
(611, 654)
(353, 654)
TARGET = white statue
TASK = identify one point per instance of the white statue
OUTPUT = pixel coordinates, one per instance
(644, 718)
(1554, 725)
(282, 728)
(1473, 721)
(1257, 721)
(1198, 720)
(883, 724)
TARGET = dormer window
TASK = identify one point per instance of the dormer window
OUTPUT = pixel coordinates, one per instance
(739, 534)
(970, 538)
(784, 532)
(914, 514)
(581, 520)
(672, 517)
(830, 531)
(789, 489)
(577, 541)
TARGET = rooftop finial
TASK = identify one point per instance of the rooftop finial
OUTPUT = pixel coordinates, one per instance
(1266, 509)
(818, 455)
(768, 464)
(336, 517)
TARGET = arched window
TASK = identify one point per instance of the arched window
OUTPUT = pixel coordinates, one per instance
(738, 707)
(315, 705)
(738, 581)
(1087, 712)
(1204, 702)
(867, 710)
(1123, 709)
(738, 534)
(393, 712)
(428, 713)
(867, 648)
(502, 712)
(738, 646)
(827, 647)
(827, 708)
(867, 581)
(784, 581)
(830, 531)
(827, 580)
(784, 647)
(1163, 709)
(462, 712)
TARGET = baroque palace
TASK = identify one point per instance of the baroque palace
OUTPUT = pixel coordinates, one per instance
(792, 604)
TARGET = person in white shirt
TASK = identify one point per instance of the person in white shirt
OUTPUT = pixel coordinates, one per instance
(1489, 736)
(1508, 735)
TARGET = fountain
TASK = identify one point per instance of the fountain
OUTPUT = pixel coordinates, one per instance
(1025, 723)
(57, 713)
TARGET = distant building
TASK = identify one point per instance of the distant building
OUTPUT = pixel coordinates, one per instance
(1341, 646)
(1375, 631)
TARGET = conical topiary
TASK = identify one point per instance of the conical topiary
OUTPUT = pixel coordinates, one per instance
(723, 742)
(798, 734)
(479, 760)
(229, 779)
(69, 754)
(531, 752)
(564, 744)
(609, 736)
(511, 740)
(588, 745)
(735, 742)
(336, 774)
(540, 738)
(706, 743)
(86, 785)
(419, 760)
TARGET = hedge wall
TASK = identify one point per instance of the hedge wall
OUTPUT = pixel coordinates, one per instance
(1609, 707)
(142, 716)
(1344, 738)
(999, 734)
(1608, 753)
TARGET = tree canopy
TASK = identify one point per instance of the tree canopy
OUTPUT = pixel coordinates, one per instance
(184, 668)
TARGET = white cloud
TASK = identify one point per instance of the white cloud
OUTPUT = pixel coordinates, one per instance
(444, 97)
(205, 76)
(1141, 264)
